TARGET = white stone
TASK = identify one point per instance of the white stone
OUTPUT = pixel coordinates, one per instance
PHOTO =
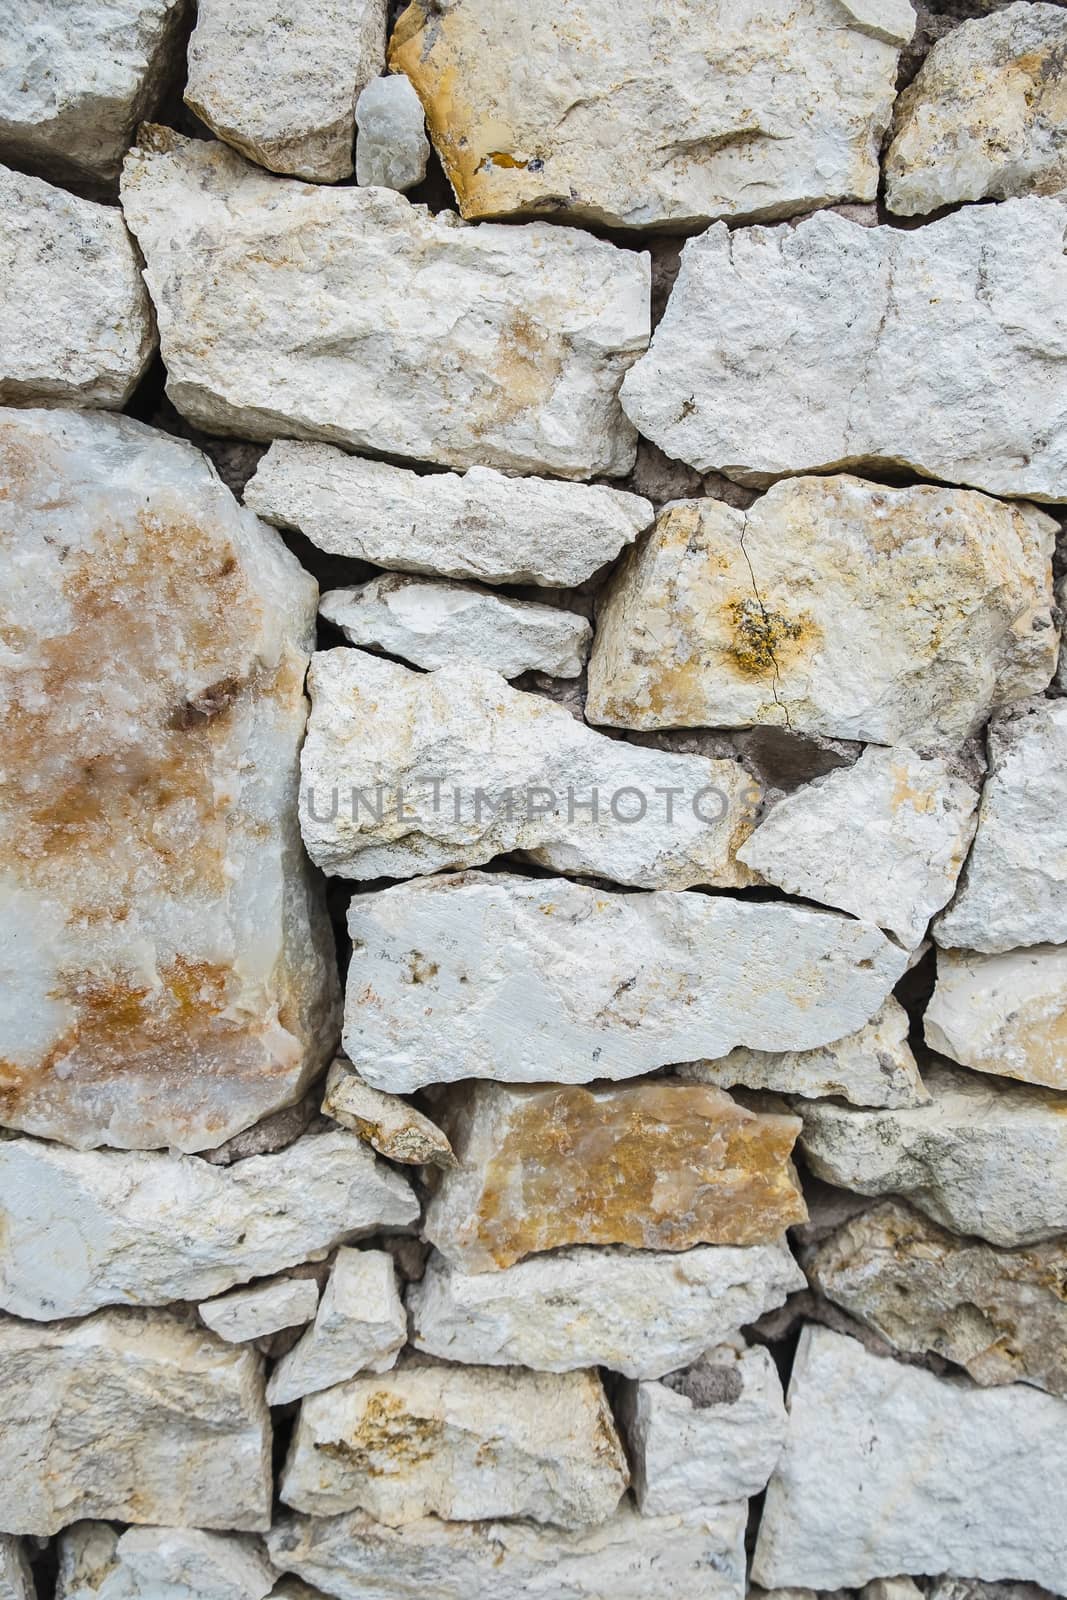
(406, 772)
(280, 83)
(396, 1129)
(872, 1067)
(982, 1157)
(461, 1443)
(263, 1309)
(1014, 887)
(823, 610)
(791, 350)
(391, 147)
(16, 1579)
(479, 524)
(892, 20)
(707, 1436)
(351, 315)
(360, 1326)
(88, 1228)
(636, 117)
(639, 1312)
(75, 81)
(444, 624)
(986, 117)
(522, 979)
(888, 1469)
(96, 1563)
(884, 839)
(75, 322)
(628, 1557)
(132, 1415)
(167, 971)
(1004, 1014)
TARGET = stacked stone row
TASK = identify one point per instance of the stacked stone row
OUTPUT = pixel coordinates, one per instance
(687, 793)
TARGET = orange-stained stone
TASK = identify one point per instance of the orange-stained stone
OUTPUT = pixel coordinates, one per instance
(655, 1165)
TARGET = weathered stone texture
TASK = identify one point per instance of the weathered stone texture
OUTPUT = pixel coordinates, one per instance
(166, 964)
(1004, 1014)
(833, 606)
(391, 147)
(497, 345)
(360, 1326)
(829, 345)
(520, 980)
(97, 1563)
(635, 117)
(264, 1309)
(396, 1129)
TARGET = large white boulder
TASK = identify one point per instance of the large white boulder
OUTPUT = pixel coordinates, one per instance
(166, 962)
(350, 315)
(829, 345)
(493, 975)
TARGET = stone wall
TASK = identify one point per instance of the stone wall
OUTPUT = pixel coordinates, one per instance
(533, 860)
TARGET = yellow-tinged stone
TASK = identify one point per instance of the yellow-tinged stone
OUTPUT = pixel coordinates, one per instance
(1005, 1014)
(653, 1165)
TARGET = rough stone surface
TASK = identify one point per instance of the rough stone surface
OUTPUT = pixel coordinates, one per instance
(478, 524)
(75, 82)
(872, 1067)
(75, 321)
(131, 1415)
(1004, 1014)
(96, 1563)
(461, 1443)
(443, 624)
(888, 1469)
(627, 1557)
(1014, 887)
(167, 969)
(518, 979)
(639, 1312)
(498, 345)
(982, 1158)
(395, 1128)
(280, 83)
(406, 772)
(16, 1579)
(264, 1309)
(884, 839)
(708, 1436)
(634, 117)
(1001, 1314)
(833, 606)
(659, 1166)
(986, 118)
(392, 148)
(360, 1326)
(88, 1228)
(800, 349)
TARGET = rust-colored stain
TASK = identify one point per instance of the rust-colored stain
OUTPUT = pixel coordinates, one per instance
(388, 1438)
(759, 636)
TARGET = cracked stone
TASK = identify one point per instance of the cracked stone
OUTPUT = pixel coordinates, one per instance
(982, 1158)
(1012, 891)
(392, 148)
(848, 1504)
(75, 320)
(179, 1429)
(821, 609)
(1001, 1314)
(639, 1312)
(518, 978)
(407, 772)
(791, 350)
(478, 524)
(658, 1166)
(360, 1326)
(446, 624)
(88, 1228)
(280, 84)
(515, 365)
(635, 118)
(395, 1128)
(1004, 1014)
(986, 117)
(872, 1067)
(460, 1443)
(167, 961)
